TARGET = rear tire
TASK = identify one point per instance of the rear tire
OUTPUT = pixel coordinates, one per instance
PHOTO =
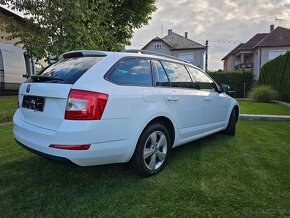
(152, 151)
(231, 128)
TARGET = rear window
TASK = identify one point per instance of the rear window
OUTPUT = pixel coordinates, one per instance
(66, 71)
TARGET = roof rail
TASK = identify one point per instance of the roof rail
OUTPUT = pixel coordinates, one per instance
(154, 53)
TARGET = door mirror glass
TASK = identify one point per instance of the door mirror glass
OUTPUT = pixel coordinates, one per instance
(224, 88)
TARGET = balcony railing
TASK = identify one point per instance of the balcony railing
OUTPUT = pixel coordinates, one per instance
(248, 66)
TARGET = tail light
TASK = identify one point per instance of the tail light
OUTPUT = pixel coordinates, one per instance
(85, 105)
(71, 147)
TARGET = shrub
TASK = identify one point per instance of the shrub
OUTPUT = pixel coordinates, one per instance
(263, 93)
(276, 73)
(235, 80)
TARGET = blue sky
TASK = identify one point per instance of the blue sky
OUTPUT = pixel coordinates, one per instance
(225, 23)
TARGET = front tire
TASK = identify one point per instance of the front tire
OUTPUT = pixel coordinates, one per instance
(152, 151)
(231, 127)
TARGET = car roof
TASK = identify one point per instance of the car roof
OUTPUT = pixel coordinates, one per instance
(125, 53)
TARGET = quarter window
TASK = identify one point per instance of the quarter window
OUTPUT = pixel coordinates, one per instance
(203, 81)
(178, 75)
(160, 75)
(131, 71)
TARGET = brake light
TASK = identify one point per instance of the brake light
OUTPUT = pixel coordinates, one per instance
(73, 55)
(71, 147)
(85, 105)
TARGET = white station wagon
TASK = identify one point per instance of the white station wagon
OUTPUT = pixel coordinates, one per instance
(95, 107)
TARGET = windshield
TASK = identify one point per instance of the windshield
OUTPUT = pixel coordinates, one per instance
(66, 71)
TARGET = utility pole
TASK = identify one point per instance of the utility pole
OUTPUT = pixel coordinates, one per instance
(242, 66)
(206, 55)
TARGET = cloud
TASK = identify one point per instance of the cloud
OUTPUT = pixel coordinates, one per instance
(219, 21)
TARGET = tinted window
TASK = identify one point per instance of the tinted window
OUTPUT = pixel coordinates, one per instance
(131, 71)
(203, 81)
(68, 70)
(178, 75)
(160, 75)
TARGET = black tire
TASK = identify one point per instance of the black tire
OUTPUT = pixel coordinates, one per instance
(141, 165)
(231, 127)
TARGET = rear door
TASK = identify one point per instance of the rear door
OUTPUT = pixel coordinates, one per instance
(184, 100)
(43, 98)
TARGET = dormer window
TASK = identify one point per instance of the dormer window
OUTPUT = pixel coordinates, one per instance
(158, 46)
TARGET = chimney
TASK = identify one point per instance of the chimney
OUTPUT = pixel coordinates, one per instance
(186, 34)
(169, 31)
(271, 27)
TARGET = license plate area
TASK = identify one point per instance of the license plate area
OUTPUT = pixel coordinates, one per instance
(33, 102)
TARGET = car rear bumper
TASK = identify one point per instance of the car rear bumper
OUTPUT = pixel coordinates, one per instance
(52, 157)
(109, 140)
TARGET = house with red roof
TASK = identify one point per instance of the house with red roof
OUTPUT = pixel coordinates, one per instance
(260, 49)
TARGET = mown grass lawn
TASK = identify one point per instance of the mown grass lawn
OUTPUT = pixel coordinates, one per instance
(8, 107)
(250, 107)
(220, 176)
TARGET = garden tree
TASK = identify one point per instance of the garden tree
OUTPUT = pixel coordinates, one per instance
(55, 26)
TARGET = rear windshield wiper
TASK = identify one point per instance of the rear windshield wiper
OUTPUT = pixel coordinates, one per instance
(44, 78)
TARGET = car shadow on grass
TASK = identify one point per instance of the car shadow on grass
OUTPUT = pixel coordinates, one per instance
(32, 183)
(39, 168)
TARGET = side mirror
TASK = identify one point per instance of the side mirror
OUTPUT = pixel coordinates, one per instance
(224, 88)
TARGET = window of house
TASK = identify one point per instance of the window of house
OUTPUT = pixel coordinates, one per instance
(189, 57)
(158, 46)
(131, 71)
(275, 53)
(203, 81)
(178, 75)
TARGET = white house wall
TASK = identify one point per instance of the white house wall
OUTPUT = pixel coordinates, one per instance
(266, 50)
(198, 56)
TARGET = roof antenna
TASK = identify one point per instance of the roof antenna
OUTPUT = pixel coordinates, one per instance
(162, 30)
(279, 20)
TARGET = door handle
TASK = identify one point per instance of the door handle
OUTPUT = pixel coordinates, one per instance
(207, 99)
(172, 99)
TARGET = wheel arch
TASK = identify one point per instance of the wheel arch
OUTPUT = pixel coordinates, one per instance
(167, 122)
(237, 110)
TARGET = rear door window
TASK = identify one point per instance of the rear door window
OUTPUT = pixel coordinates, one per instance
(131, 71)
(178, 75)
(66, 71)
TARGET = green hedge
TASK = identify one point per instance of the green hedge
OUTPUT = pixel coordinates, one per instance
(235, 80)
(276, 73)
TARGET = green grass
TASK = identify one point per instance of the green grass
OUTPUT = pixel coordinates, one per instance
(250, 107)
(8, 107)
(220, 176)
